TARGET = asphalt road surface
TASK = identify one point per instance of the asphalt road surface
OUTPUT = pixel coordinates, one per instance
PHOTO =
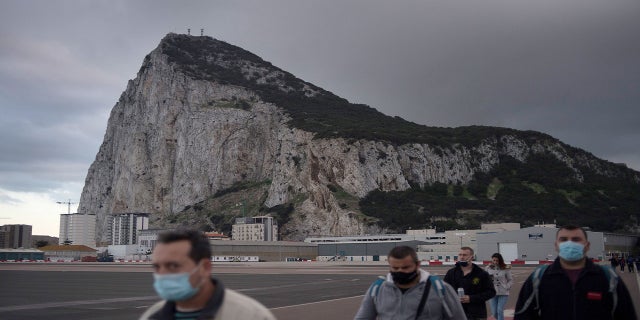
(294, 290)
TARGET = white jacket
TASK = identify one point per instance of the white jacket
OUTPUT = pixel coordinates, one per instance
(502, 279)
(225, 304)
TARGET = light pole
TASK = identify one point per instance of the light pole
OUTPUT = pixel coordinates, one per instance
(461, 234)
(244, 207)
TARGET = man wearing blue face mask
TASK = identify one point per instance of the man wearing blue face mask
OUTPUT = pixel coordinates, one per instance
(573, 287)
(182, 278)
(476, 283)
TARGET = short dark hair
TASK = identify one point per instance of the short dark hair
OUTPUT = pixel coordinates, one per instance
(469, 248)
(402, 252)
(200, 247)
(571, 228)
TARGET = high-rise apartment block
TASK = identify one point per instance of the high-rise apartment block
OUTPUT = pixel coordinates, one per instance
(260, 228)
(125, 227)
(78, 228)
(4, 238)
(15, 236)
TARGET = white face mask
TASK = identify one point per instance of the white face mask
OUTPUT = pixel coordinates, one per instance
(175, 286)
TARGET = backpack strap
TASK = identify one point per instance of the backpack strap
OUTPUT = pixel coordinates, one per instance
(375, 286)
(437, 283)
(425, 294)
(535, 280)
(374, 289)
(433, 281)
(612, 279)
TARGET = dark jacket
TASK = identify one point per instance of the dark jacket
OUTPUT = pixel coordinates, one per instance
(477, 285)
(588, 299)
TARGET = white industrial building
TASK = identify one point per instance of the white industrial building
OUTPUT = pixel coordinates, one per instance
(429, 244)
(531, 244)
(78, 228)
(129, 252)
(148, 238)
(375, 247)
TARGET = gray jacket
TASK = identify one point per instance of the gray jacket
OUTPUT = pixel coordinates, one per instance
(502, 279)
(390, 303)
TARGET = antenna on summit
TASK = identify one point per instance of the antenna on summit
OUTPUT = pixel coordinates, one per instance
(189, 31)
(201, 32)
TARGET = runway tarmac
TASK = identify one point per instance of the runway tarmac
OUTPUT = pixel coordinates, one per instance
(294, 290)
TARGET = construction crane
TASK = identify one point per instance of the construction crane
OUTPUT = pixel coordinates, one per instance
(69, 203)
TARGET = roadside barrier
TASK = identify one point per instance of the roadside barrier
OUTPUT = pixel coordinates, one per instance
(485, 262)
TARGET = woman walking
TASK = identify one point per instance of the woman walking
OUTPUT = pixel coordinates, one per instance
(502, 281)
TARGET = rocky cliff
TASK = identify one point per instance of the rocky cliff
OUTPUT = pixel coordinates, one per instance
(203, 116)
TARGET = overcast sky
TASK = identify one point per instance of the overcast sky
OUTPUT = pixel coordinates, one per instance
(570, 69)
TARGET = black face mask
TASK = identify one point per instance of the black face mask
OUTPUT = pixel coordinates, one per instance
(404, 277)
(462, 263)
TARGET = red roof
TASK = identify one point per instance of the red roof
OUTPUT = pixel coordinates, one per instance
(71, 247)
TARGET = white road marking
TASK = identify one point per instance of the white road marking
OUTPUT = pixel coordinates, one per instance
(316, 302)
(74, 303)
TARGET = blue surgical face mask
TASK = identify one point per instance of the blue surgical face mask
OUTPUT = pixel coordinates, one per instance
(571, 251)
(174, 286)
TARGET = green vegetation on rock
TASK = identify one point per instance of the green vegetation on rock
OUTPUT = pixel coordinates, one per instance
(523, 194)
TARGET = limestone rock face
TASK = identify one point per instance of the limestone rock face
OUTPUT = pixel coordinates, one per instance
(173, 140)
(168, 145)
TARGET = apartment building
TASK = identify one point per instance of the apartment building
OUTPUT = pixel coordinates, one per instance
(78, 229)
(260, 228)
(15, 236)
(125, 227)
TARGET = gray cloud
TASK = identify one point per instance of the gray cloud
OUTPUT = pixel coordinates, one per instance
(5, 198)
(567, 68)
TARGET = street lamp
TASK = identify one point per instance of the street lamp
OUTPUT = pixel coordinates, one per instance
(461, 234)
(244, 207)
